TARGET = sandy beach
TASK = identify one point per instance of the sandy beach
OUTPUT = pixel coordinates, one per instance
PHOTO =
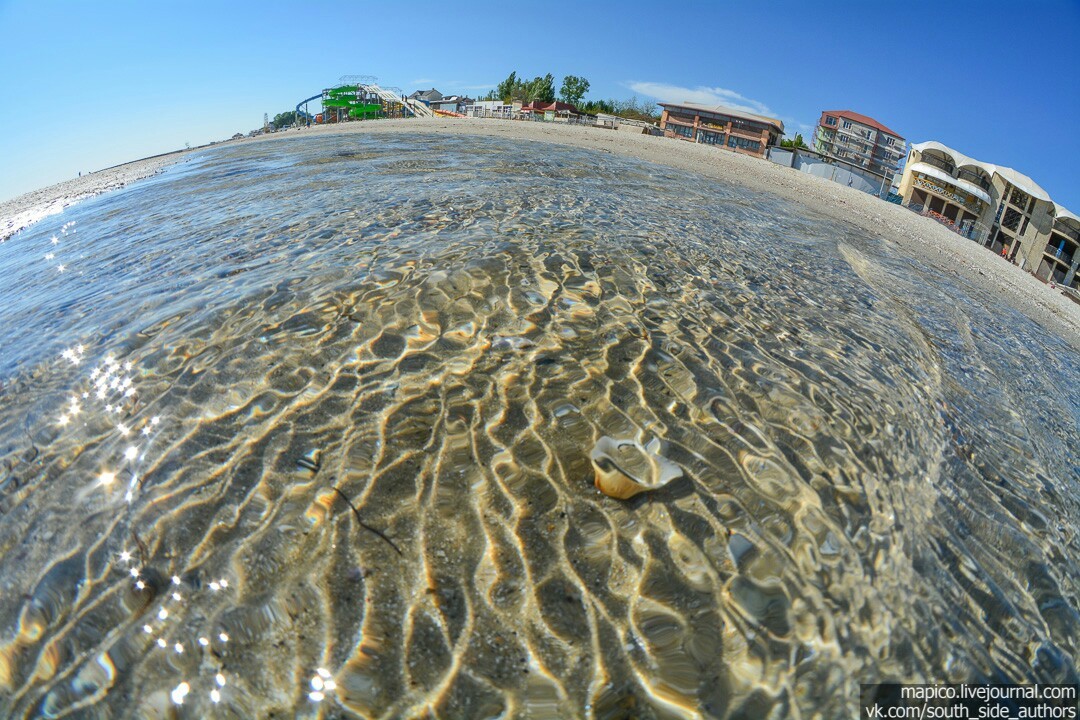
(25, 210)
(923, 238)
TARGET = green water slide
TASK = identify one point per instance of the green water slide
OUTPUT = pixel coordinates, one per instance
(349, 96)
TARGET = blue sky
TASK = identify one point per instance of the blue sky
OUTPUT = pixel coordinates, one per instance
(87, 85)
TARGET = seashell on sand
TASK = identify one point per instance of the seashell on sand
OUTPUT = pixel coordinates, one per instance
(624, 468)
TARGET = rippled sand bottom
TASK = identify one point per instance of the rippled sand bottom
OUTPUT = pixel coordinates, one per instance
(362, 481)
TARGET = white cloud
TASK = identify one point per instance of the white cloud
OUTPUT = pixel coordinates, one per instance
(700, 96)
(422, 81)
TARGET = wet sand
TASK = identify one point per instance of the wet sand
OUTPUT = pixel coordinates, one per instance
(922, 237)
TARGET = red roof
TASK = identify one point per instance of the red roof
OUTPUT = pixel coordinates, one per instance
(864, 120)
(539, 106)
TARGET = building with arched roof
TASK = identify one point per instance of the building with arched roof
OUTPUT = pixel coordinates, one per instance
(1061, 256)
(999, 207)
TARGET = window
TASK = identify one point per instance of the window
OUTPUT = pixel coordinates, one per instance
(738, 142)
(847, 124)
(830, 120)
(710, 138)
(745, 127)
(1019, 198)
(889, 141)
(681, 130)
(1011, 219)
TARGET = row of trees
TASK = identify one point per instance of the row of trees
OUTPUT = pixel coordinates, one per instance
(573, 90)
(284, 119)
(633, 108)
(519, 89)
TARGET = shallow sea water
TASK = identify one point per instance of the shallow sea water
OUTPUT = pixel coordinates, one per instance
(305, 428)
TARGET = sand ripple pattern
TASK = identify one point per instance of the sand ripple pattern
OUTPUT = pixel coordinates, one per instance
(379, 368)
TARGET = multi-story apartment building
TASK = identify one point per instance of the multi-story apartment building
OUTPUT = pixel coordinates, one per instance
(860, 140)
(1001, 208)
(721, 126)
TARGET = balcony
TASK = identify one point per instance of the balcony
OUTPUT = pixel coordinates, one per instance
(938, 163)
(1055, 253)
(861, 134)
(925, 179)
(855, 148)
(1061, 229)
(972, 177)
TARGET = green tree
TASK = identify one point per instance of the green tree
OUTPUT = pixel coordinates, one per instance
(573, 89)
(796, 143)
(541, 89)
(283, 119)
(598, 106)
(507, 87)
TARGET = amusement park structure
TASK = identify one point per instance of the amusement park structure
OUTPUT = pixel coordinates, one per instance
(360, 97)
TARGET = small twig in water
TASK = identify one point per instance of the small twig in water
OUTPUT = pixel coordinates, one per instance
(30, 437)
(142, 548)
(365, 525)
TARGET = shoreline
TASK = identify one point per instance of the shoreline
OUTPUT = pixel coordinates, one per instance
(24, 210)
(920, 237)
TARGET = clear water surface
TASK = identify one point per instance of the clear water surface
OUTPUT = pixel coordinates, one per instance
(305, 427)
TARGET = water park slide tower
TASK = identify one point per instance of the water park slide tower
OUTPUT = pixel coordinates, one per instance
(358, 97)
(354, 102)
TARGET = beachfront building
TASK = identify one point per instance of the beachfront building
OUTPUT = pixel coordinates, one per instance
(860, 140)
(427, 96)
(549, 110)
(1002, 209)
(490, 108)
(1061, 256)
(451, 103)
(721, 126)
(950, 186)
